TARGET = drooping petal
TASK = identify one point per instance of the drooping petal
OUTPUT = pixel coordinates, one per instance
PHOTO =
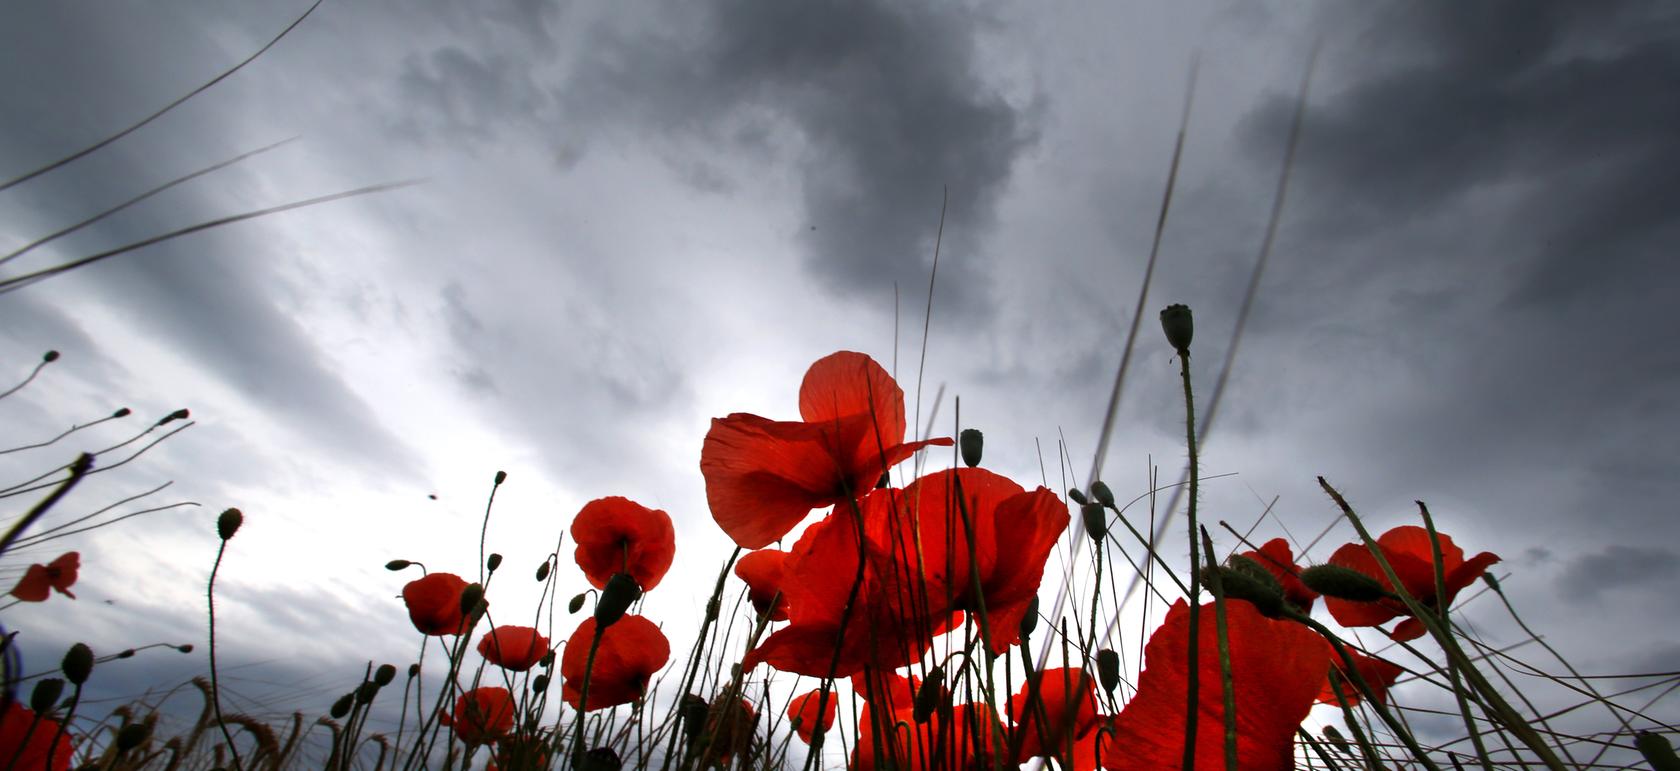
(763, 477)
(763, 572)
(1052, 710)
(615, 535)
(803, 712)
(60, 575)
(514, 648)
(434, 603)
(631, 651)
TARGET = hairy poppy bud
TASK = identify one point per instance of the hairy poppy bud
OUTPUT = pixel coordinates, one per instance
(1029, 622)
(413, 671)
(131, 735)
(927, 697)
(46, 694)
(971, 442)
(1096, 520)
(1237, 585)
(539, 683)
(576, 603)
(50, 357)
(617, 596)
(1657, 751)
(694, 711)
(600, 759)
(341, 707)
(1337, 739)
(1103, 495)
(547, 660)
(1493, 583)
(1342, 583)
(1108, 670)
(128, 653)
(1248, 566)
(366, 691)
(712, 609)
(471, 598)
(396, 565)
(122, 413)
(492, 562)
(180, 414)
(228, 523)
(542, 572)
(1077, 497)
(501, 476)
(78, 663)
(1177, 323)
(384, 675)
(185, 648)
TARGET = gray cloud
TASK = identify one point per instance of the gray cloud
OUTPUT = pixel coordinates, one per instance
(1589, 575)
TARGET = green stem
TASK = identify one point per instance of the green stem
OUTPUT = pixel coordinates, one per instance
(215, 686)
(1193, 679)
(1223, 633)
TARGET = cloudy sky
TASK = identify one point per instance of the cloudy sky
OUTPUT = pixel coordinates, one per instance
(630, 222)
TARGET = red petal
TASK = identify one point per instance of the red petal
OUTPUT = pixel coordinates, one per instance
(35, 586)
(1377, 673)
(17, 722)
(803, 709)
(619, 535)
(514, 648)
(763, 477)
(847, 383)
(631, 651)
(434, 603)
(1356, 557)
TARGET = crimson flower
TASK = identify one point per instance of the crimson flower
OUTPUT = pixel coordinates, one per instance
(482, 715)
(1408, 551)
(1276, 557)
(803, 712)
(1377, 673)
(1276, 670)
(618, 535)
(27, 741)
(629, 654)
(764, 476)
(434, 603)
(514, 648)
(1065, 710)
(762, 570)
(963, 736)
(60, 574)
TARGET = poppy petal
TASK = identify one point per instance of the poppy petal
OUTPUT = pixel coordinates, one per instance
(616, 535)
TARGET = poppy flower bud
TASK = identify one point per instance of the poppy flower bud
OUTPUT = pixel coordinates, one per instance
(396, 565)
(341, 707)
(1177, 323)
(501, 476)
(1029, 622)
(712, 609)
(413, 671)
(77, 664)
(547, 660)
(1338, 739)
(971, 442)
(619, 594)
(1103, 495)
(492, 562)
(46, 694)
(1493, 583)
(471, 598)
(384, 675)
(180, 414)
(128, 653)
(1250, 567)
(1342, 583)
(1108, 669)
(131, 735)
(539, 683)
(600, 759)
(1657, 750)
(1077, 497)
(228, 523)
(185, 648)
(1238, 585)
(50, 357)
(365, 692)
(122, 413)
(576, 603)
(542, 571)
(694, 711)
(1096, 520)
(927, 697)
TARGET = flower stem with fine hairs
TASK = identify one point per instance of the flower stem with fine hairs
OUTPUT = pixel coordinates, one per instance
(215, 685)
(1223, 635)
(1192, 659)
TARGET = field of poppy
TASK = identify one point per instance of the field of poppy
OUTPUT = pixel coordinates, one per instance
(913, 604)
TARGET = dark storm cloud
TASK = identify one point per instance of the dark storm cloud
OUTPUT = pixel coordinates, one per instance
(886, 98)
(1589, 575)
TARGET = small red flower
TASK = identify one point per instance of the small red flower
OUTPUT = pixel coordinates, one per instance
(1276, 670)
(434, 603)
(803, 712)
(762, 570)
(1377, 673)
(482, 715)
(15, 724)
(618, 535)
(764, 476)
(1408, 551)
(1276, 557)
(514, 648)
(629, 654)
(60, 574)
(1066, 709)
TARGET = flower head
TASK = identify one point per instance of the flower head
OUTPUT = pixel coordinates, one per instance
(628, 655)
(59, 575)
(1055, 707)
(434, 603)
(762, 570)
(514, 648)
(618, 535)
(43, 743)
(802, 711)
(482, 715)
(1408, 552)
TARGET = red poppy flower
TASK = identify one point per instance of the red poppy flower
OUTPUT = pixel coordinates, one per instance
(731, 730)
(60, 574)
(803, 712)
(762, 570)
(630, 652)
(1066, 708)
(1276, 670)
(1377, 673)
(1276, 557)
(964, 736)
(434, 603)
(1408, 551)
(618, 535)
(34, 753)
(482, 715)
(885, 689)
(514, 648)
(764, 476)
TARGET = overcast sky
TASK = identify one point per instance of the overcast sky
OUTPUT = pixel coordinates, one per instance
(633, 222)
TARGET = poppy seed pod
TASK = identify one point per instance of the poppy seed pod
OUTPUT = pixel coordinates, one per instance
(620, 593)
(46, 694)
(1103, 495)
(576, 603)
(1657, 751)
(366, 691)
(1343, 583)
(1029, 621)
(1237, 585)
(413, 671)
(600, 759)
(542, 571)
(501, 476)
(187, 648)
(1096, 520)
(78, 663)
(1108, 670)
(228, 523)
(132, 735)
(1077, 497)
(927, 697)
(694, 710)
(180, 414)
(970, 442)
(539, 683)
(50, 357)
(341, 707)
(384, 675)
(396, 565)
(492, 562)
(122, 413)
(472, 600)
(1177, 323)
